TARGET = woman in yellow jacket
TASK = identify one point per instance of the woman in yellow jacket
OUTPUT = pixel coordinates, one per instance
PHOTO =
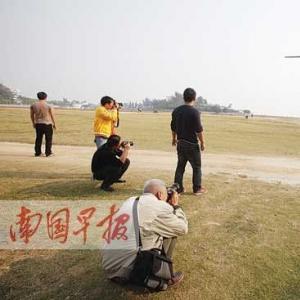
(105, 117)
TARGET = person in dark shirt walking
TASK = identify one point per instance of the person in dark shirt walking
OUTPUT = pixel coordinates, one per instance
(110, 162)
(186, 131)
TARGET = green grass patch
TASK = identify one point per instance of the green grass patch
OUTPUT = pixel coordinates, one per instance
(243, 241)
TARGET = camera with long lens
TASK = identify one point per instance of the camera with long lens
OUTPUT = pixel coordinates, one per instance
(174, 188)
(124, 143)
(118, 103)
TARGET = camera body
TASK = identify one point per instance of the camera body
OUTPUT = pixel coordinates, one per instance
(171, 190)
(124, 143)
(118, 103)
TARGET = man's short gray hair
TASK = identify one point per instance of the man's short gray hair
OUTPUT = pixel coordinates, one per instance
(154, 185)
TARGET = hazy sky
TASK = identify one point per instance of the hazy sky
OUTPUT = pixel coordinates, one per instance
(230, 51)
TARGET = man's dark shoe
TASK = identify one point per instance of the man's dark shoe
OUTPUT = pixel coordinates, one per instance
(178, 276)
(181, 191)
(107, 188)
(38, 155)
(200, 191)
(51, 154)
(119, 280)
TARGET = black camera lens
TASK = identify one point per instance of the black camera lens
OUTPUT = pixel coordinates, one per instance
(127, 142)
(171, 190)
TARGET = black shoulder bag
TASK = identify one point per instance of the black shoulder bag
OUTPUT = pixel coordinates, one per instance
(152, 268)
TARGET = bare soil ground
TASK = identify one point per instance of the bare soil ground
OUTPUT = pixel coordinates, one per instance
(76, 158)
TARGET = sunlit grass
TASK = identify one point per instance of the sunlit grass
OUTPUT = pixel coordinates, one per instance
(223, 134)
(243, 240)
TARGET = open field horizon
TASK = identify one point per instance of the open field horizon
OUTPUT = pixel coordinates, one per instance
(255, 114)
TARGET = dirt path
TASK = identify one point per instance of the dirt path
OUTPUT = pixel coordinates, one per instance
(74, 158)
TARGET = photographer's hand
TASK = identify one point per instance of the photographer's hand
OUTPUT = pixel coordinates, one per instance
(127, 146)
(174, 199)
(124, 155)
(116, 105)
(201, 139)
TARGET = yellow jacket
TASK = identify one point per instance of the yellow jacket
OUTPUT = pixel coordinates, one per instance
(104, 121)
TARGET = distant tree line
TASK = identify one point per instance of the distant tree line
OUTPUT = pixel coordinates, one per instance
(177, 99)
(7, 96)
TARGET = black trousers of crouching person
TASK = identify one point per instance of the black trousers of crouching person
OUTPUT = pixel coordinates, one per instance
(41, 130)
(110, 174)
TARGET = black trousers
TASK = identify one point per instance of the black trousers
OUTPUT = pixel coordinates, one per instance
(41, 130)
(188, 152)
(111, 174)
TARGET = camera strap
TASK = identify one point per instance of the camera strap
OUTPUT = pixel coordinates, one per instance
(137, 228)
(118, 119)
(136, 223)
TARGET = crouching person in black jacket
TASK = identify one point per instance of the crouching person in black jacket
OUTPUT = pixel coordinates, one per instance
(110, 162)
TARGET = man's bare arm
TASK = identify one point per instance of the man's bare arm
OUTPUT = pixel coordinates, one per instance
(174, 138)
(32, 117)
(52, 118)
(201, 139)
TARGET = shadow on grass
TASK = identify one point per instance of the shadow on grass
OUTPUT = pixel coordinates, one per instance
(18, 155)
(76, 189)
(41, 175)
(68, 274)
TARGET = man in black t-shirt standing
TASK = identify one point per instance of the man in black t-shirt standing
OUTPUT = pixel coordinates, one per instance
(186, 131)
(109, 162)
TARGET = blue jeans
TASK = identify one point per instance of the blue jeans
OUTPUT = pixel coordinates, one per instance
(100, 140)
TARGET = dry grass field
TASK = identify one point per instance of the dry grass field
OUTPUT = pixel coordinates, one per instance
(224, 134)
(244, 235)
